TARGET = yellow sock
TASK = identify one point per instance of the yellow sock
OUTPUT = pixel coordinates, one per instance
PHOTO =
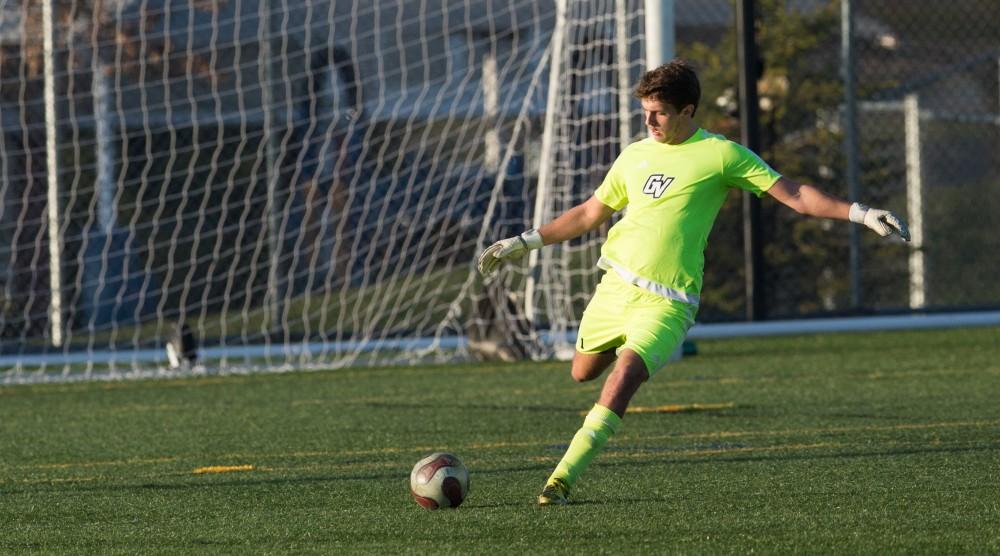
(597, 428)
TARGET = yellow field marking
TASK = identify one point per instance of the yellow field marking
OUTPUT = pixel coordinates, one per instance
(681, 408)
(84, 479)
(139, 408)
(730, 450)
(878, 375)
(60, 480)
(345, 466)
(101, 463)
(222, 469)
(829, 430)
(502, 445)
(676, 408)
(702, 452)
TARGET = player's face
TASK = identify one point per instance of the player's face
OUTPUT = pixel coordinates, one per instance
(665, 123)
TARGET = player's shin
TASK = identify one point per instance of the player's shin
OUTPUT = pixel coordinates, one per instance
(599, 425)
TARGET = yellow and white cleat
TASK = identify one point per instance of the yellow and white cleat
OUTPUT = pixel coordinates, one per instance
(555, 493)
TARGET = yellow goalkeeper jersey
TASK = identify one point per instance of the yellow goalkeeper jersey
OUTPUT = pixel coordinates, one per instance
(673, 194)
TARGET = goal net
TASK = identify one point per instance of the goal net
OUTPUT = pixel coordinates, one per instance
(278, 185)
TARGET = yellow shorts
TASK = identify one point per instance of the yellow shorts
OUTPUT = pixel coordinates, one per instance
(621, 316)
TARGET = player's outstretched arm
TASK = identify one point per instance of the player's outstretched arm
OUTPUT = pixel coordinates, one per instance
(806, 199)
(570, 224)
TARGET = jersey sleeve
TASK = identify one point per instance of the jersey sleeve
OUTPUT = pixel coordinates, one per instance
(745, 170)
(612, 190)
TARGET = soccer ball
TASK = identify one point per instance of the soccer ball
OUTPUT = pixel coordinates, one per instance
(440, 480)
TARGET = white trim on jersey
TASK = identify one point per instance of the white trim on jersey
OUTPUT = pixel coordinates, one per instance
(648, 285)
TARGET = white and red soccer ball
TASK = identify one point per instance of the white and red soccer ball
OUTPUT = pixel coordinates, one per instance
(440, 480)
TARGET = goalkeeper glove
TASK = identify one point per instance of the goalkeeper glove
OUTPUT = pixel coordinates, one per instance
(509, 249)
(882, 221)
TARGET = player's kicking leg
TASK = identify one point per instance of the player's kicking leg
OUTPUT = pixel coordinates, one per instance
(645, 329)
(599, 425)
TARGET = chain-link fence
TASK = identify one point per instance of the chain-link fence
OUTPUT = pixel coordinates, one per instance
(927, 82)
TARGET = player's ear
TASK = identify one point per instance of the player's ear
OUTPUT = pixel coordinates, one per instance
(688, 111)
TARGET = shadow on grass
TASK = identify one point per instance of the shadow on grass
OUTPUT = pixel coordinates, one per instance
(192, 485)
(581, 410)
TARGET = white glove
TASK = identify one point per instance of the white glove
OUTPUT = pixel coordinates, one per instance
(882, 221)
(509, 249)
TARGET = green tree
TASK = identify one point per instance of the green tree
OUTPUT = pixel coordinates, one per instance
(799, 90)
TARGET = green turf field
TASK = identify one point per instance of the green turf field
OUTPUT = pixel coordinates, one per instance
(854, 443)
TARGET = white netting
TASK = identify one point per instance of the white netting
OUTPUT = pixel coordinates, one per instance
(297, 184)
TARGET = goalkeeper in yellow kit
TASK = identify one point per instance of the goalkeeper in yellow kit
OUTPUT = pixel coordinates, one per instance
(674, 183)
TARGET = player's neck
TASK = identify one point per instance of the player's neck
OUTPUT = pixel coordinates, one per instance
(684, 135)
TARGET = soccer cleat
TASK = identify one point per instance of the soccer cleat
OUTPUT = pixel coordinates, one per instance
(555, 493)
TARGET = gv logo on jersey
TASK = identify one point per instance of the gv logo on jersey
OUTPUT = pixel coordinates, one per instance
(656, 184)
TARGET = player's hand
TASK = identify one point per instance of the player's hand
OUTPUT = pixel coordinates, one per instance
(882, 221)
(509, 249)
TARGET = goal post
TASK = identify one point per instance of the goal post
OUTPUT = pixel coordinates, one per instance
(548, 279)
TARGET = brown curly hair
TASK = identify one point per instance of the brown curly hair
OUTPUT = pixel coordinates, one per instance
(674, 83)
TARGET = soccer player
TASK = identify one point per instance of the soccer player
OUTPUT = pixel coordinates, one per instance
(674, 183)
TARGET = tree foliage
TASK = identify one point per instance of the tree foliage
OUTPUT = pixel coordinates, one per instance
(798, 88)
